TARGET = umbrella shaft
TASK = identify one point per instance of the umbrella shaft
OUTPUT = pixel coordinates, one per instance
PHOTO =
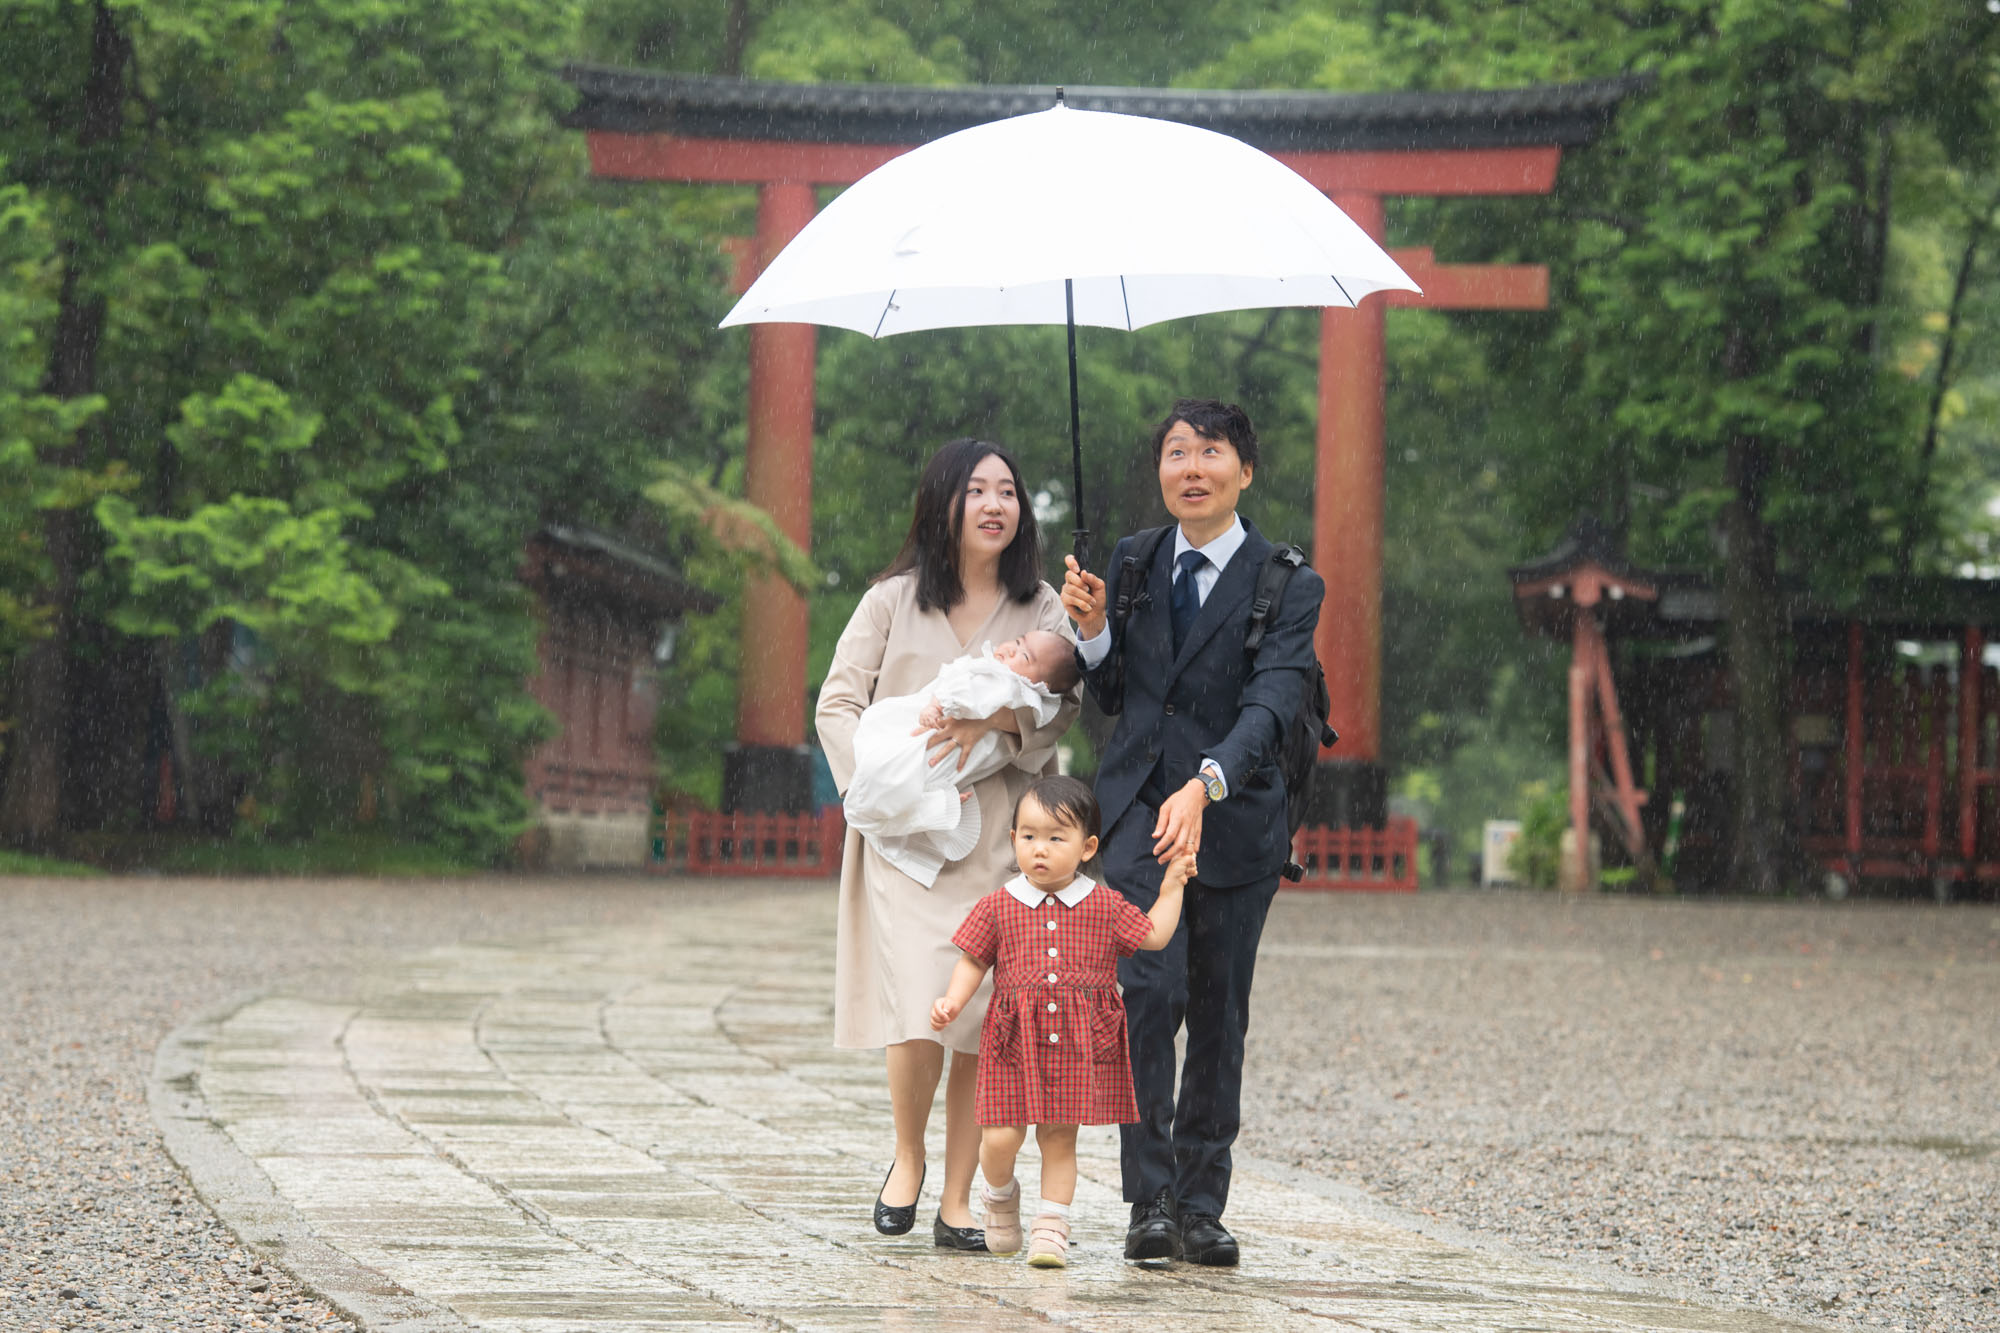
(1079, 535)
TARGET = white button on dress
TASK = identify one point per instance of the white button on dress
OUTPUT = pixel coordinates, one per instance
(1052, 951)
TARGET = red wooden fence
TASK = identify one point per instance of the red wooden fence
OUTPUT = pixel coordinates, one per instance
(1380, 860)
(703, 843)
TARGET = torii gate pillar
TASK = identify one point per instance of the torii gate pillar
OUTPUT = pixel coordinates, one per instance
(1348, 508)
(769, 767)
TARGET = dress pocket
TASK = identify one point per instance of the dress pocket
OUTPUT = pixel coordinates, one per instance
(1002, 1038)
(1107, 1031)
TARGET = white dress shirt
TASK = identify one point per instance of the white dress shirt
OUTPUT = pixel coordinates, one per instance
(1219, 552)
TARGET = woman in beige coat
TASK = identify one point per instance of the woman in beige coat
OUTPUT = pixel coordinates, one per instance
(969, 573)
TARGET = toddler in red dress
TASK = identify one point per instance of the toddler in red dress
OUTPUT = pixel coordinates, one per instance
(1052, 1053)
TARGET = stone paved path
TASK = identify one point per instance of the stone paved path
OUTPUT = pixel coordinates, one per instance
(625, 1130)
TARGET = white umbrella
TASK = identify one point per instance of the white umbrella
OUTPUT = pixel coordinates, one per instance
(1069, 217)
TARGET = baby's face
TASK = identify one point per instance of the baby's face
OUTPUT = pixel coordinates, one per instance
(1032, 655)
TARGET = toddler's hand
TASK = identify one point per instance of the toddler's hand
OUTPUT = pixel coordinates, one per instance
(943, 1012)
(1179, 872)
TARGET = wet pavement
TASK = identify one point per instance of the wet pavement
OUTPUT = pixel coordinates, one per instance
(629, 1128)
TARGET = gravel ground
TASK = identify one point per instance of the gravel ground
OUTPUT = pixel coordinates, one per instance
(98, 1229)
(1796, 1106)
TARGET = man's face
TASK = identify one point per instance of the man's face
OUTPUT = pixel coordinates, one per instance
(1200, 478)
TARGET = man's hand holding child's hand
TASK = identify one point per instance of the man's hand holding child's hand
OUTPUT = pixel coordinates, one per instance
(1178, 873)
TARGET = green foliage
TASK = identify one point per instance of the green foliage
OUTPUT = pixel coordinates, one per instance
(1536, 856)
(22, 863)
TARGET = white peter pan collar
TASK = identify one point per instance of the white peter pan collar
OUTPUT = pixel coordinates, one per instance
(1028, 895)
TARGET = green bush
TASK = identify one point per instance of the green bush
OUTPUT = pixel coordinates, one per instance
(1536, 858)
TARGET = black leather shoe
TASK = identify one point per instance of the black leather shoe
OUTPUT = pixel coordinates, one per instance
(1204, 1240)
(1154, 1234)
(896, 1221)
(948, 1237)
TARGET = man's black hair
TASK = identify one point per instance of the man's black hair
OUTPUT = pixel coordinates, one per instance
(1066, 799)
(1211, 419)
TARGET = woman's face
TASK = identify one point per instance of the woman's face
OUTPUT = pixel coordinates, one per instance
(992, 512)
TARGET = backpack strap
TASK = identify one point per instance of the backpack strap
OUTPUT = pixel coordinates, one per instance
(1134, 570)
(1271, 581)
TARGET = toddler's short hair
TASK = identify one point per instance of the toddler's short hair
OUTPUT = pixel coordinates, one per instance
(1067, 799)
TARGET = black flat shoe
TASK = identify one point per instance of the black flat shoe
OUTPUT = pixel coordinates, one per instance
(1154, 1234)
(948, 1237)
(1204, 1240)
(896, 1221)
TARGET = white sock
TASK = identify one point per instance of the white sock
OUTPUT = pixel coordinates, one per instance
(1043, 1208)
(1003, 1196)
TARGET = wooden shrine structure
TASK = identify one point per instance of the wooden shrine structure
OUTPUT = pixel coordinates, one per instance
(789, 140)
(1893, 719)
(604, 604)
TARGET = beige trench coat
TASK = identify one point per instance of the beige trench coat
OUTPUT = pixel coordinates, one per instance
(893, 953)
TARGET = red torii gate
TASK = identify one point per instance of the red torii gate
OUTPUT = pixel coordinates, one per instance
(789, 139)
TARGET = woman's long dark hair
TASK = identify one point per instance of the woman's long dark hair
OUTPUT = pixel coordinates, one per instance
(931, 549)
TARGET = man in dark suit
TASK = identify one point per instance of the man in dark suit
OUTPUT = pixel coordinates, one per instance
(1193, 763)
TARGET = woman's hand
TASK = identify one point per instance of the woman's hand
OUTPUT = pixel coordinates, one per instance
(956, 733)
(1083, 598)
(943, 1011)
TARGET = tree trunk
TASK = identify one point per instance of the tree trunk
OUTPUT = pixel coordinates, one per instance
(1753, 607)
(735, 37)
(31, 804)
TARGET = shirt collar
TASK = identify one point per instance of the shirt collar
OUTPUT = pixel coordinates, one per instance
(1218, 551)
(1029, 896)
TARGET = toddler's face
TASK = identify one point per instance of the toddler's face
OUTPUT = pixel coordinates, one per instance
(1048, 848)
(1032, 655)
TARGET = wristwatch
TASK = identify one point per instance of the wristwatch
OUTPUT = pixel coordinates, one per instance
(1211, 780)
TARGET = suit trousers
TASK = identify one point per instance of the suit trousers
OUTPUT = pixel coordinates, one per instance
(1200, 980)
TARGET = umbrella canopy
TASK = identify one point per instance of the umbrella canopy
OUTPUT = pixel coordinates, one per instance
(1069, 217)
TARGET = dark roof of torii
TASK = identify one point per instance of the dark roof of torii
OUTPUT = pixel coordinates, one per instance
(699, 106)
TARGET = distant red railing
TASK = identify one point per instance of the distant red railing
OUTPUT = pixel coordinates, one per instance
(700, 842)
(1380, 860)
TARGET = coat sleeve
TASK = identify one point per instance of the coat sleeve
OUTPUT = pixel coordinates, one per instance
(1038, 739)
(1107, 682)
(1277, 680)
(850, 681)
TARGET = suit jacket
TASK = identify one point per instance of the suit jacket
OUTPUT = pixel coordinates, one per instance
(1210, 699)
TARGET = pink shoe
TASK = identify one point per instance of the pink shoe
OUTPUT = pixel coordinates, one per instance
(1003, 1222)
(1048, 1243)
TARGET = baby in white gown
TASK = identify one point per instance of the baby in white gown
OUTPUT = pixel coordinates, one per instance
(910, 810)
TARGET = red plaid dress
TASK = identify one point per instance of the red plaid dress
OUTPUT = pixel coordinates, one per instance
(1053, 1048)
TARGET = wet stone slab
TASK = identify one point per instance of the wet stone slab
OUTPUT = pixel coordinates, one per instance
(619, 1131)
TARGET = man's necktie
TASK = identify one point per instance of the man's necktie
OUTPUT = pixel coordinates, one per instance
(1185, 604)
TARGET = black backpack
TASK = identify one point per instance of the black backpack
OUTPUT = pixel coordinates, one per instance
(1307, 731)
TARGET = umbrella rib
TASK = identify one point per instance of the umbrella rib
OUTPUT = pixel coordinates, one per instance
(1343, 290)
(887, 306)
(1126, 297)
